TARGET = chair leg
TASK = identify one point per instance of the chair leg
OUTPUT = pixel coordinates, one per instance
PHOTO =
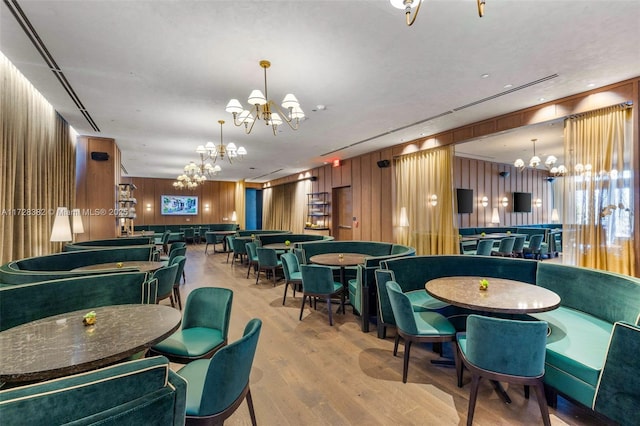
(526, 391)
(395, 345)
(473, 395)
(286, 286)
(173, 305)
(458, 362)
(258, 276)
(542, 402)
(329, 308)
(304, 300)
(405, 366)
(273, 272)
(176, 293)
(252, 413)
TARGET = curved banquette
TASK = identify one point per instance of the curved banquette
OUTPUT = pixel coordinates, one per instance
(362, 289)
(594, 304)
(292, 238)
(60, 265)
(109, 243)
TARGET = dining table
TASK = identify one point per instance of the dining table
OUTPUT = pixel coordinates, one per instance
(140, 265)
(341, 260)
(279, 246)
(61, 345)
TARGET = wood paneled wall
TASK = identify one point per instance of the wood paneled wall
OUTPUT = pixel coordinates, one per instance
(484, 179)
(216, 201)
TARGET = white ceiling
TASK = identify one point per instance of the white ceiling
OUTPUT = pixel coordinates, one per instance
(156, 75)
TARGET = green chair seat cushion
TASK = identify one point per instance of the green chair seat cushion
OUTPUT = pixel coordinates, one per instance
(578, 342)
(423, 302)
(191, 342)
(432, 323)
(295, 276)
(195, 373)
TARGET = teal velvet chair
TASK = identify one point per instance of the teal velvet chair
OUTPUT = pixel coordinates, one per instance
(180, 261)
(217, 386)
(518, 246)
(173, 246)
(140, 392)
(317, 281)
(503, 350)
(190, 235)
(505, 249)
(618, 393)
(165, 241)
(239, 250)
(205, 326)
(429, 327)
(252, 257)
(268, 262)
(292, 274)
(483, 248)
(230, 239)
(166, 277)
(532, 250)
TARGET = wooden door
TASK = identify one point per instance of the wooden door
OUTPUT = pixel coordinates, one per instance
(342, 213)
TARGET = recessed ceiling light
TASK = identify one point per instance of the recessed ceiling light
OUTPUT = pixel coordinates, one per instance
(508, 86)
(484, 75)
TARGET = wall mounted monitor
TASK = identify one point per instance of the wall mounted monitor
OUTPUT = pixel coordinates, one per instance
(179, 205)
(465, 200)
(522, 202)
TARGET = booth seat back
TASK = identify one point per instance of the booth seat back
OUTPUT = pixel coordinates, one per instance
(606, 295)
(23, 303)
(250, 232)
(370, 248)
(112, 242)
(412, 273)
(59, 265)
(293, 238)
(222, 226)
(144, 391)
(529, 231)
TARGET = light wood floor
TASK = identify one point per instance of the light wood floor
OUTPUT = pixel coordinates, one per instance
(308, 373)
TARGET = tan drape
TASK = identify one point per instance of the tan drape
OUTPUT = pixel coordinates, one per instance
(419, 177)
(598, 207)
(38, 167)
(284, 206)
(240, 204)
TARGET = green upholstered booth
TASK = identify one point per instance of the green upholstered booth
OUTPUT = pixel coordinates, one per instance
(22, 303)
(60, 265)
(112, 242)
(578, 347)
(292, 238)
(144, 391)
(592, 301)
(250, 232)
(363, 294)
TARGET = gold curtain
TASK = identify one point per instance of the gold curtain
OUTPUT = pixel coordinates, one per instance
(284, 206)
(598, 207)
(240, 204)
(38, 167)
(423, 179)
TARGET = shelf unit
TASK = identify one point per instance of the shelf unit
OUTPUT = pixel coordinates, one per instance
(317, 211)
(126, 213)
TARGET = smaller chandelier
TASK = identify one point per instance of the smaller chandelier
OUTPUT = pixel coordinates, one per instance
(213, 152)
(534, 162)
(195, 175)
(262, 108)
(407, 5)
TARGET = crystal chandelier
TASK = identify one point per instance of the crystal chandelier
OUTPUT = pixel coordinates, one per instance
(262, 108)
(212, 152)
(407, 5)
(534, 162)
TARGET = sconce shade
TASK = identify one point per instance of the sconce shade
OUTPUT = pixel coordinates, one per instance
(404, 219)
(433, 200)
(234, 216)
(484, 201)
(61, 230)
(555, 218)
(495, 217)
(505, 201)
(76, 222)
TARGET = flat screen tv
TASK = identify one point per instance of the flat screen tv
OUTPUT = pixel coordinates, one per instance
(522, 202)
(465, 200)
(178, 205)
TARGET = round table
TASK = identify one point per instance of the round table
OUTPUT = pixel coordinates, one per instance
(502, 296)
(334, 259)
(62, 345)
(278, 246)
(140, 265)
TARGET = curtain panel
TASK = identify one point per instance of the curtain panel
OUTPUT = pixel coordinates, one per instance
(284, 206)
(598, 207)
(38, 167)
(425, 205)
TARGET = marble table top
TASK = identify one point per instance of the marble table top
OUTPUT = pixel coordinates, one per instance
(334, 259)
(502, 295)
(61, 345)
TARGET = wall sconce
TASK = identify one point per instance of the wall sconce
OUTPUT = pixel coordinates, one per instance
(484, 201)
(404, 219)
(495, 217)
(505, 202)
(538, 202)
(433, 200)
(206, 207)
(555, 218)
(148, 207)
(234, 216)
(61, 230)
